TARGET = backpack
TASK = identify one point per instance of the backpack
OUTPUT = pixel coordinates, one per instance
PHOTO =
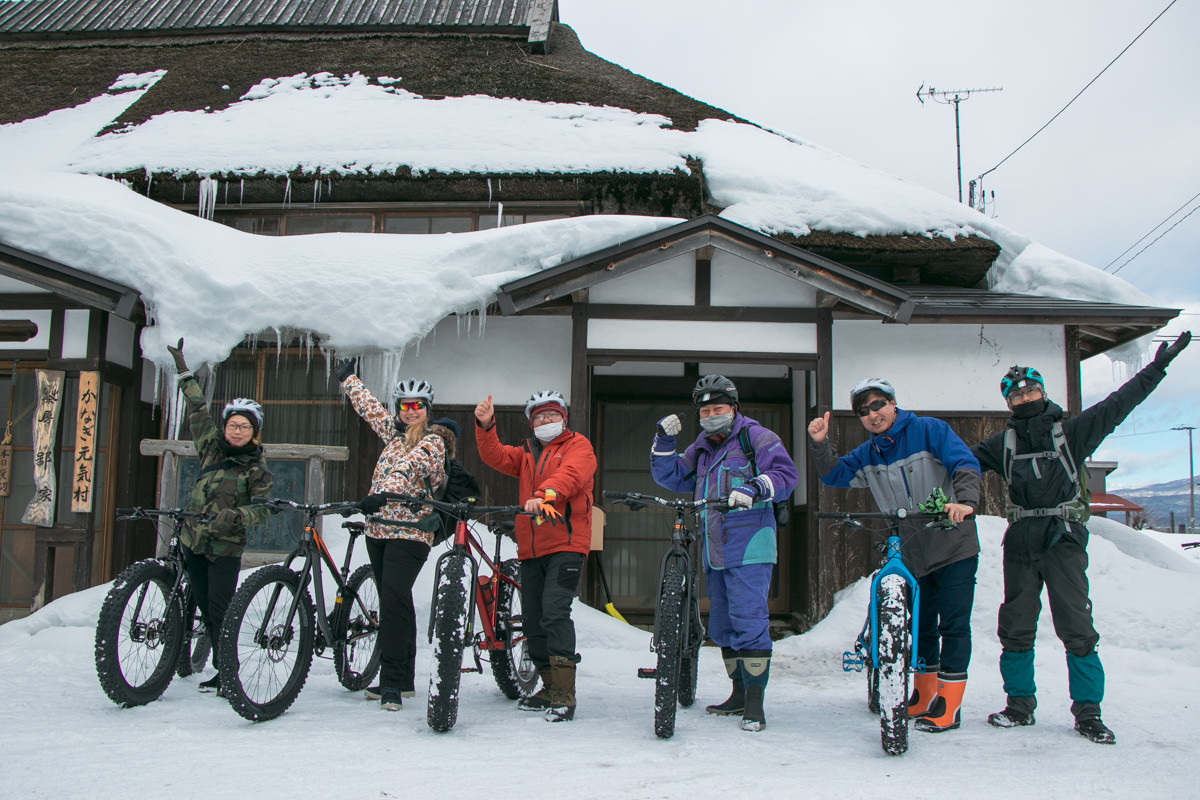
(1077, 508)
(780, 509)
(459, 485)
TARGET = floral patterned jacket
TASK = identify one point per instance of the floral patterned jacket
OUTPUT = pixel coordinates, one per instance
(399, 469)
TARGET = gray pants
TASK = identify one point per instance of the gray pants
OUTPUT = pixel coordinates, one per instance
(1062, 570)
(548, 586)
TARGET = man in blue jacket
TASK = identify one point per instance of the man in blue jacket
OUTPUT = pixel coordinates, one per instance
(737, 460)
(906, 458)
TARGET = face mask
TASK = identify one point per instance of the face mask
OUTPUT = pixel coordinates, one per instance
(717, 423)
(1029, 410)
(549, 431)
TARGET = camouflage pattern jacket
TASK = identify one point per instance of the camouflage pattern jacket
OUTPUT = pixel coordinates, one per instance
(400, 469)
(228, 478)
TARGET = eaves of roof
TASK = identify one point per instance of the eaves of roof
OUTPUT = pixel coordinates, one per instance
(89, 290)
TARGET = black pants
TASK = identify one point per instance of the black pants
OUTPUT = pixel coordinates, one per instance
(396, 564)
(548, 586)
(947, 597)
(1063, 571)
(213, 582)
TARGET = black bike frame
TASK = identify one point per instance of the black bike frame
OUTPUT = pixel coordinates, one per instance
(174, 557)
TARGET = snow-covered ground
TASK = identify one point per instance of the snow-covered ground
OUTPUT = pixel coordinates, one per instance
(62, 738)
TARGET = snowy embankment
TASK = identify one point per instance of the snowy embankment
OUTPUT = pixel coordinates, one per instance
(63, 738)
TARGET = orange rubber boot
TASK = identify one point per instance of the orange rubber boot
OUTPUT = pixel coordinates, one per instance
(944, 716)
(925, 691)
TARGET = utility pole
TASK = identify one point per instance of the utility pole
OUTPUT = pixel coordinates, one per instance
(1191, 526)
(955, 96)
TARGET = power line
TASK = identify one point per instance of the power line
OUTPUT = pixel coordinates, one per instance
(1081, 91)
(1152, 230)
(1156, 238)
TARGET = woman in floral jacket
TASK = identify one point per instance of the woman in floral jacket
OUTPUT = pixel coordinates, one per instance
(411, 454)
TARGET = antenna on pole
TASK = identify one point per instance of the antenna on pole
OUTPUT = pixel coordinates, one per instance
(953, 96)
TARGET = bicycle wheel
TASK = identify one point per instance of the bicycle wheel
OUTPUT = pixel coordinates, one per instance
(264, 658)
(689, 665)
(895, 643)
(139, 634)
(515, 674)
(668, 623)
(196, 643)
(872, 689)
(356, 632)
(450, 611)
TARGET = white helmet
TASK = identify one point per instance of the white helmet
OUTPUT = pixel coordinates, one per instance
(246, 407)
(416, 389)
(545, 398)
(872, 385)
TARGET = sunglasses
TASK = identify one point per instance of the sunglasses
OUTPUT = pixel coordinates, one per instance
(413, 405)
(1032, 391)
(871, 408)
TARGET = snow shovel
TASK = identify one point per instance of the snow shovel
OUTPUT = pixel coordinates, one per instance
(609, 607)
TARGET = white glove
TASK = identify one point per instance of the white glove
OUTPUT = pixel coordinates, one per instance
(742, 497)
(670, 426)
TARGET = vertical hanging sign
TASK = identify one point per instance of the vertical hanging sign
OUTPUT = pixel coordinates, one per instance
(40, 510)
(85, 442)
(6, 459)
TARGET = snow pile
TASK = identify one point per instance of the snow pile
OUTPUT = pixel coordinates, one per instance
(819, 732)
(192, 271)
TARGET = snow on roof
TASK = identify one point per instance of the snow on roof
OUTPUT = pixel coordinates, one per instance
(201, 276)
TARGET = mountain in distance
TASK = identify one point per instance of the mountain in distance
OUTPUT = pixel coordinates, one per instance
(1159, 500)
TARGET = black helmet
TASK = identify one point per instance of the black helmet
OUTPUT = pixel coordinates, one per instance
(714, 389)
(1020, 376)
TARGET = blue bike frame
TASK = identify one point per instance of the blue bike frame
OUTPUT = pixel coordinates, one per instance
(866, 647)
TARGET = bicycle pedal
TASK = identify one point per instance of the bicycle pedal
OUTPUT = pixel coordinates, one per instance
(647, 672)
(852, 662)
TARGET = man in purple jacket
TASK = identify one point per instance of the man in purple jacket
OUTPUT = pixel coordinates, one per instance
(739, 543)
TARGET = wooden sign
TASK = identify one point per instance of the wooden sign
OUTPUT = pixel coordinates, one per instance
(85, 441)
(40, 510)
(6, 460)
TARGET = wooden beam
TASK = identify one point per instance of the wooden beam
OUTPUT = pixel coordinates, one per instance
(701, 314)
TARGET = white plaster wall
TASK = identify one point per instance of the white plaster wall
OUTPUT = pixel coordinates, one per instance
(671, 283)
(944, 367)
(75, 332)
(624, 334)
(738, 282)
(514, 358)
(119, 347)
(40, 340)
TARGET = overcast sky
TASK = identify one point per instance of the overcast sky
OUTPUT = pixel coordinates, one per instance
(845, 75)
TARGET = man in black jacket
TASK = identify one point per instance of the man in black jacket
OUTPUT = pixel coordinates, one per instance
(1041, 456)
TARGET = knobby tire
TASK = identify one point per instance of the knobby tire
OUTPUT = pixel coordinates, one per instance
(669, 645)
(261, 676)
(515, 674)
(689, 666)
(895, 646)
(356, 634)
(450, 611)
(136, 658)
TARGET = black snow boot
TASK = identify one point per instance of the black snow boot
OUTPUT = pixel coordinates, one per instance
(736, 703)
(1010, 718)
(1095, 730)
(756, 669)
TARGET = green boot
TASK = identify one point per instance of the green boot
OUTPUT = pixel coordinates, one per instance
(756, 669)
(736, 703)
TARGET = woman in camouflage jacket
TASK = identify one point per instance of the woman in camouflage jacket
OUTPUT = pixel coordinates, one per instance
(232, 471)
(412, 454)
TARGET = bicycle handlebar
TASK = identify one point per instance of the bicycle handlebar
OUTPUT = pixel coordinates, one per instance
(277, 504)
(1189, 545)
(853, 518)
(148, 513)
(460, 509)
(636, 500)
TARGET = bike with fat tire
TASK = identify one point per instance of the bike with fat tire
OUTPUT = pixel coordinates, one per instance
(496, 599)
(884, 648)
(273, 628)
(678, 630)
(149, 629)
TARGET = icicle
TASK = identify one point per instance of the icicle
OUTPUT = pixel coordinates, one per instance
(489, 181)
(207, 202)
(287, 192)
(316, 191)
(500, 215)
(241, 190)
(226, 200)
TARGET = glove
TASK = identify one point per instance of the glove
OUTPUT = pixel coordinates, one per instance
(226, 520)
(670, 426)
(372, 503)
(743, 496)
(345, 368)
(177, 354)
(1167, 352)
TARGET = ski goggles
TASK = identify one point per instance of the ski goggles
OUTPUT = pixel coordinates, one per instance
(413, 405)
(871, 408)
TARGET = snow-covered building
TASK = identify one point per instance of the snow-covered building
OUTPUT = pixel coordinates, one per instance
(601, 234)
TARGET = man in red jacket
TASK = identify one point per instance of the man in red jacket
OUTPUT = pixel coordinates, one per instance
(554, 471)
